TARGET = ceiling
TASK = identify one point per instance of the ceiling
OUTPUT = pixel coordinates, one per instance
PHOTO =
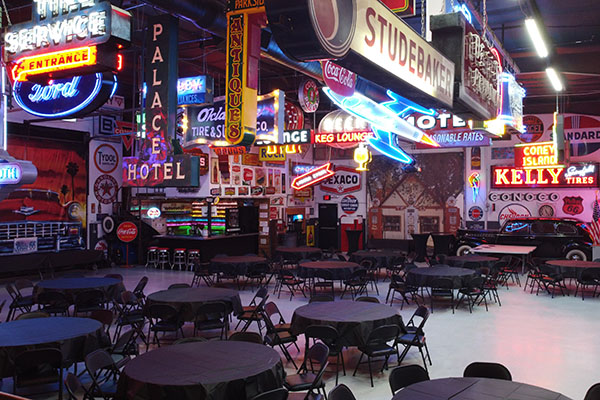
(571, 28)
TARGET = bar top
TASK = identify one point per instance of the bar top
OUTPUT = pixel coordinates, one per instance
(190, 237)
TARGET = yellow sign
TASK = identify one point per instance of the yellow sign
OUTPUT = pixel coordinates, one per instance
(265, 155)
(55, 61)
(310, 235)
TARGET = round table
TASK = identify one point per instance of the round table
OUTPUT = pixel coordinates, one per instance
(339, 269)
(75, 337)
(459, 261)
(475, 388)
(424, 276)
(572, 267)
(72, 286)
(300, 252)
(216, 370)
(187, 300)
(241, 263)
(383, 258)
(354, 320)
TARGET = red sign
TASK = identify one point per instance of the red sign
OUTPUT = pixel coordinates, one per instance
(312, 177)
(342, 137)
(540, 154)
(127, 231)
(338, 79)
(404, 8)
(294, 117)
(574, 176)
(308, 96)
(345, 180)
(573, 205)
(228, 150)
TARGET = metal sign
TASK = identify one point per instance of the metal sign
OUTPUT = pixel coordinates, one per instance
(313, 177)
(345, 180)
(573, 176)
(195, 90)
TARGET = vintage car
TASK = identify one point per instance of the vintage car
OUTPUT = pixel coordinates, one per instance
(554, 237)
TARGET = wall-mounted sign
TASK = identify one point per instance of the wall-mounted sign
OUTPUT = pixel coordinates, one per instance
(172, 171)
(308, 96)
(237, 5)
(478, 66)
(540, 154)
(546, 210)
(67, 38)
(403, 8)
(256, 190)
(523, 196)
(105, 189)
(153, 212)
(269, 117)
(313, 177)
(229, 150)
(513, 211)
(265, 155)
(127, 231)
(574, 176)
(229, 191)
(573, 205)
(349, 204)
(301, 169)
(106, 158)
(203, 161)
(338, 79)
(304, 136)
(534, 129)
(475, 184)
(215, 191)
(243, 190)
(475, 213)
(448, 130)
(369, 39)
(353, 137)
(65, 97)
(195, 90)
(345, 180)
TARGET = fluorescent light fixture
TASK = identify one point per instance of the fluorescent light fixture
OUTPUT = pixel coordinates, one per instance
(536, 37)
(554, 79)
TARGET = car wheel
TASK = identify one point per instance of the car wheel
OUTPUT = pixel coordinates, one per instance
(576, 254)
(463, 249)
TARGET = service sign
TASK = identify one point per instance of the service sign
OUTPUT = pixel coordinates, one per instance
(345, 180)
(65, 97)
(195, 90)
(573, 176)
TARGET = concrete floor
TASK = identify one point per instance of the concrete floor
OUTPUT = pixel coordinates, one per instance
(552, 343)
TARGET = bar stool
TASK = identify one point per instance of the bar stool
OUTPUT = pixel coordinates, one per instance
(193, 258)
(164, 260)
(179, 260)
(152, 257)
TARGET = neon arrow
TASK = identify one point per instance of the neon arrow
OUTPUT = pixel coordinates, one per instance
(313, 176)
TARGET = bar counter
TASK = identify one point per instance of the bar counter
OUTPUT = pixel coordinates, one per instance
(233, 245)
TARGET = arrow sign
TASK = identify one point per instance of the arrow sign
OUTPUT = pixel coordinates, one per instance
(312, 177)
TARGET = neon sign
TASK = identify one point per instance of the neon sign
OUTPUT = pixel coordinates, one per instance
(581, 176)
(362, 156)
(462, 8)
(303, 136)
(55, 61)
(475, 184)
(195, 90)
(313, 177)
(10, 173)
(342, 137)
(153, 212)
(532, 155)
(301, 169)
(65, 97)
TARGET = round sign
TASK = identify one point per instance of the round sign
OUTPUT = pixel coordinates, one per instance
(153, 212)
(106, 158)
(513, 211)
(534, 128)
(349, 204)
(546, 210)
(108, 224)
(105, 189)
(102, 245)
(127, 231)
(308, 96)
(475, 213)
(294, 117)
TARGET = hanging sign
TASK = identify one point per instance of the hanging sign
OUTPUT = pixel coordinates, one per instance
(511, 106)
(127, 231)
(308, 96)
(573, 176)
(338, 79)
(448, 131)
(345, 180)
(269, 117)
(540, 154)
(304, 136)
(65, 97)
(313, 177)
(368, 38)
(195, 90)
(403, 8)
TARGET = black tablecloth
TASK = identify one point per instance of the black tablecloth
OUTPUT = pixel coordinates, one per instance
(339, 269)
(215, 370)
(420, 240)
(459, 261)
(475, 388)
(383, 258)
(187, 300)
(241, 263)
(75, 337)
(300, 252)
(424, 276)
(442, 242)
(354, 320)
(572, 268)
(71, 286)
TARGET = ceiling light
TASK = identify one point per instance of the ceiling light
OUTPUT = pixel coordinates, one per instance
(536, 37)
(554, 79)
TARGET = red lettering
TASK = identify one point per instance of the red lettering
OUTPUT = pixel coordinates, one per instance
(412, 57)
(383, 24)
(402, 52)
(235, 40)
(420, 62)
(370, 14)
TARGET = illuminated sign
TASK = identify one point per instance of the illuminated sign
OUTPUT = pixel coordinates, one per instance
(449, 130)
(573, 176)
(153, 212)
(475, 184)
(236, 5)
(301, 169)
(64, 97)
(541, 154)
(338, 79)
(342, 137)
(511, 103)
(229, 150)
(195, 90)
(274, 155)
(362, 156)
(304, 136)
(172, 171)
(270, 111)
(283, 149)
(404, 8)
(308, 96)
(10, 173)
(312, 177)
(50, 62)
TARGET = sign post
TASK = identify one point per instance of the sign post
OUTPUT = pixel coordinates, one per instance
(127, 232)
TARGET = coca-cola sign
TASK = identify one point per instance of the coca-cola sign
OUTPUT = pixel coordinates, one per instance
(513, 211)
(127, 231)
(338, 79)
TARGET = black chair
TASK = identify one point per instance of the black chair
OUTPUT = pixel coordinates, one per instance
(321, 298)
(593, 392)
(211, 316)
(473, 291)
(139, 288)
(38, 367)
(227, 272)
(589, 278)
(490, 286)
(282, 339)
(275, 394)
(377, 345)
(341, 392)
(401, 377)
(272, 310)
(76, 389)
(53, 303)
(331, 338)
(104, 374)
(163, 318)
(202, 273)
(442, 288)
(323, 279)
(306, 379)
(370, 264)
(25, 288)
(88, 301)
(257, 273)
(254, 315)
(105, 317)
(125, 347)
(394, 266)
(400, 286)
(415, 336)
(291, 282)
(487, 370)
(550, 279)
(534, 275)
(357, 283)
(178, 286)
(368, 299)
(131, 314)
(23, 305)
(250, 337)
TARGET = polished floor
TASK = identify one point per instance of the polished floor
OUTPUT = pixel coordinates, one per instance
(552, 343)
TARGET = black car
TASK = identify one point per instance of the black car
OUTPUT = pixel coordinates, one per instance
(554, 237)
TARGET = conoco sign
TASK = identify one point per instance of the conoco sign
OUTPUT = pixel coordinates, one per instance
(127, 231)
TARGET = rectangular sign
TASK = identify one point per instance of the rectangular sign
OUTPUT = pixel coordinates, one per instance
(342, 137)
(237, 5)
(540, 154)
(458, 138)
(172, 171)
(54, 61)
(251, 159)
(573, 176)
(265, 155)
(195, 90)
